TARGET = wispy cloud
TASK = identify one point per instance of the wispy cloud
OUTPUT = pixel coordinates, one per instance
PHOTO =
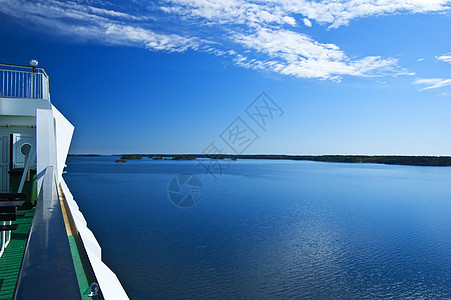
(338, 13)
(261, 35)
(432, 83)
(295, 54)
(149, 39)
(307, 22)
(77, 20)
(445, 58)
(251, 13)
(334, 12)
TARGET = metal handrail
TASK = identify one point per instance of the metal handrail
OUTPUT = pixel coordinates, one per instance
(23, 82)
(25, 67)
(47, 270)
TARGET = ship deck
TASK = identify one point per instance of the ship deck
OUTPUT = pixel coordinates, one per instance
(11, 259)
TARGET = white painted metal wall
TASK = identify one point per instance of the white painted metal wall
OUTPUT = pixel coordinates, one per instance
(54, 134)
(63, 131)
(109, 283)
(19, 140)
(4, 162)
(45, 144)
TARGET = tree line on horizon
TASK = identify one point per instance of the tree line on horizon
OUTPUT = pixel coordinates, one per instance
(437, 161)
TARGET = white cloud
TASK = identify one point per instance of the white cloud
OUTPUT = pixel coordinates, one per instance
(307, 22)
(262, 29)
(230, 11)
(149, 39)
(445, 58)
(432, 83)
(99, 24)
(334, 12)
(295, 54)
(256, 34)
(338, 13)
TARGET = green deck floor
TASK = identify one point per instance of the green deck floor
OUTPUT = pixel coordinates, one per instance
(82, 278)
(11, 259)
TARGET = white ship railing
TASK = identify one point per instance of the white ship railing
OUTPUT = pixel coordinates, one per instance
(23, 82)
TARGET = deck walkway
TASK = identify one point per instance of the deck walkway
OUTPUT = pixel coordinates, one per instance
(11, 259)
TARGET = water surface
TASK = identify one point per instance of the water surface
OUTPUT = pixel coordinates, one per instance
(271, 229)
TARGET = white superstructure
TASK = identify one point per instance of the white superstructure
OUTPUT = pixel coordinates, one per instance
(34, 135)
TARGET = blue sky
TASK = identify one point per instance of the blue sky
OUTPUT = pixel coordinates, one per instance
(171, 76)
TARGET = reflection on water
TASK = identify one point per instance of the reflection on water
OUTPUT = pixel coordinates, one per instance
(271, 229)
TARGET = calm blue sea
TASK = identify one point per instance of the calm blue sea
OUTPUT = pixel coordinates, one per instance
(270, 229)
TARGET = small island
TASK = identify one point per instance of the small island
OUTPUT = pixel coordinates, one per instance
(173, 157)
(131, 157)
(126, 157)
(184, 157)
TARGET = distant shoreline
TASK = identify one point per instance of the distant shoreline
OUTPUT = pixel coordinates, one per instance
(431, 161)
